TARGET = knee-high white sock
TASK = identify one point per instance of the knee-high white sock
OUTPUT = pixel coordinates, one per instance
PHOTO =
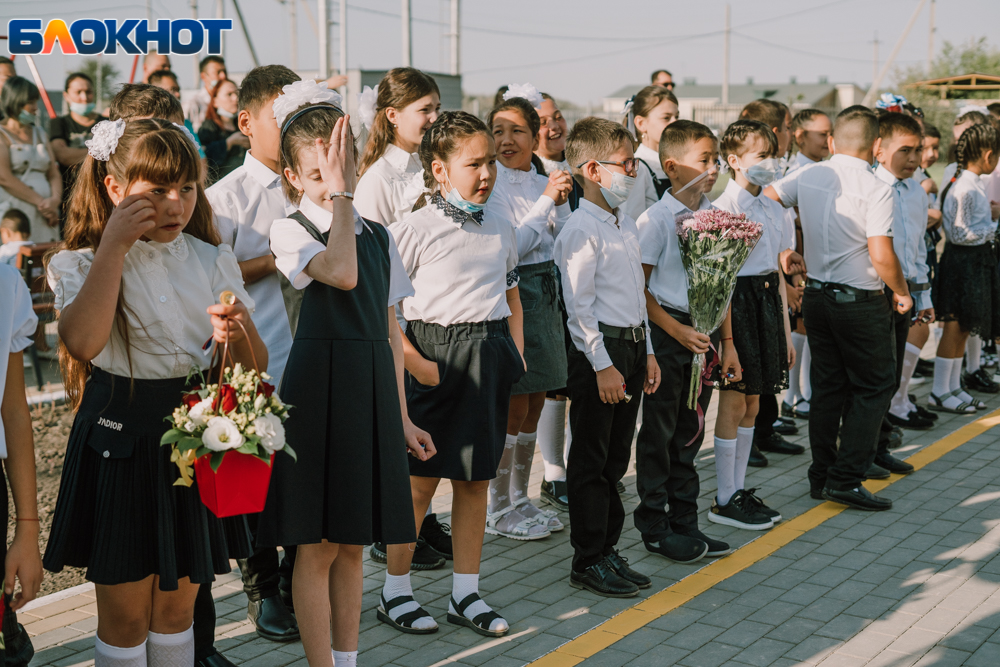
(500, 485)
(170, 650)
(942, 375)
(106, 655)
(805, 383)
(464, 585)
(400, 586)
(794, 386)
(901, 406)
(524, 454)
(744, 442)
(973, 353)
(552, 438)
(725, 465)
(345, 658)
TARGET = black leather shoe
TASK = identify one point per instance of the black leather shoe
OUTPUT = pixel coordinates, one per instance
(715, 547)
(912, 421)
(893, 439)
(620, 565)
(876, 471)
(437, 535)
(859, 498)
(602, 579)
(926, 367)
(981, 380)
(215, 660)
(924, 412)
(816, 493)
(679, 548)
(273, 620)
(782, 427)
(757, 460)
(778, 445)
(892, 464)
(555, 494)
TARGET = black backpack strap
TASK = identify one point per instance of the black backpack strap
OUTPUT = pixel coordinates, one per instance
(298, 217)
(660, 185)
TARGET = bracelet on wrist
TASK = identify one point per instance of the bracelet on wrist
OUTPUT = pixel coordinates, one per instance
(333, 195)
(723, 339)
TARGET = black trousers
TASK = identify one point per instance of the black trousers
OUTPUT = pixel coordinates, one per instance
(602, 446)
(853, 378)
(767, 414)
(901, 331)
(666, 478)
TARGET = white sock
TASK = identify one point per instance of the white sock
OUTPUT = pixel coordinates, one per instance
(794, 387)
(725, 465)
(400, 586)
(973, 353)
(345, 658)
(106, 655)
(955, 381)
(942, 375)
(500, 485)
(170, 650)
(901, 406)
(464, 585)
(805, 382)
(552, 438)
(744, 442)
(524, 454)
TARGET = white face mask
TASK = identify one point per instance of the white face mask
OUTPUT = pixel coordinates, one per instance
(698, 179)
(621, 187)
(763, 173)
(228, 115)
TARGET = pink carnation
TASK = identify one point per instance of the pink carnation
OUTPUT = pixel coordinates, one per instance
(716, 224)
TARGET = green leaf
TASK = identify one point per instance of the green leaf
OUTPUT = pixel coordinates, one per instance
(189, 443)
(291, 452)
(172, 436)
(217, 460)
(201, 451)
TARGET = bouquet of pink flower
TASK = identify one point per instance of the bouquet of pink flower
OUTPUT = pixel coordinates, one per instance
(714, 246)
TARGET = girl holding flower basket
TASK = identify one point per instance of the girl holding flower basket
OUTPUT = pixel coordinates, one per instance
(137, 288)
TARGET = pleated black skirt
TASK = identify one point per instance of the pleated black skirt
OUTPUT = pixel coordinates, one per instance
(351, 483)
(968, 289)
(118, 513)
(544, 338)
(759, 336)
(466, 413)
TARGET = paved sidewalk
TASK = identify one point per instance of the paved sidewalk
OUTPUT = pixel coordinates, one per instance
(916, 585)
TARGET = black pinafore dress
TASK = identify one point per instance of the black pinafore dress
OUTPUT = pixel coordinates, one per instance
(351, 483)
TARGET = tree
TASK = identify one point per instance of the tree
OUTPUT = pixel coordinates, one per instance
(103, 83)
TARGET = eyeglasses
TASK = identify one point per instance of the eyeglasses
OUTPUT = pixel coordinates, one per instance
(630, 165)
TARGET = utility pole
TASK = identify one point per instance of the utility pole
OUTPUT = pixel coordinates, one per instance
(873, 91)
(343, 43)
(454, 38)
(407, 34)
(875, 58)
(725, 62)
(293, 20)
(323, 20)
(194, 59)
(220, 12)
(930, 40)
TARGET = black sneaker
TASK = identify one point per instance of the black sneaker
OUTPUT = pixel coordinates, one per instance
(981, 381)
(425, 557)
(679, 548)
(555, 494)
(437, 535)
(775, 444)
(620, 565)
(757, 460)
(602, 579)
(758, 503)
(739, 512)
(715, 547)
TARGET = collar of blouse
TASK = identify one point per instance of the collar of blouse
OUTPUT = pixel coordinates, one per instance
(147, 250)
(454, 213)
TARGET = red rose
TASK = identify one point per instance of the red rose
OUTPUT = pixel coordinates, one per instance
(227, 397)
(191, 398)
(265, 388)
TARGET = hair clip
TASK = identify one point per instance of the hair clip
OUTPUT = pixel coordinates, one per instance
(368, 105)
(525, 90)
(105, 141)
(303, 92)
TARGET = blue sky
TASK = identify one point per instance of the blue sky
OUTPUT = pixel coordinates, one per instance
(579, 50)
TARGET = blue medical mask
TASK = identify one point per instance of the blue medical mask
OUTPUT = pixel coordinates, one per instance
(82, 108)
(26, 118)
(458, 201)
(763, 173)
(621, 186)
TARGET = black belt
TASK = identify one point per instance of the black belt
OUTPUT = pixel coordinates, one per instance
(844, 293)
(917, 287)
(634, 334)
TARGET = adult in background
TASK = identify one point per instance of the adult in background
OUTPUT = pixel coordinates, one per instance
(212, 69)
(7, 69)
(166, 80)
(225, 146)
(662, 77)
(68, 133)
(29, 174)
(154, 62)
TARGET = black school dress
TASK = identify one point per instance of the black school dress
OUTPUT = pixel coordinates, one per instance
(351, 482)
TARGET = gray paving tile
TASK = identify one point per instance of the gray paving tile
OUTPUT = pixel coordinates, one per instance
(710, 656)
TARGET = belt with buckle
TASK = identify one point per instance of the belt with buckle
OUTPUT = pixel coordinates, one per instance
(844, 293)
(634, 334)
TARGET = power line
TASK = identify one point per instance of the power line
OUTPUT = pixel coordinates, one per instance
(802, 52)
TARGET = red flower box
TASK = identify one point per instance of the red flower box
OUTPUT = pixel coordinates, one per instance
(239, 486)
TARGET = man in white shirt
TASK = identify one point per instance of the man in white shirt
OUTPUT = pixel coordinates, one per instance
(611, 361)
(847, 218)
(212, 70)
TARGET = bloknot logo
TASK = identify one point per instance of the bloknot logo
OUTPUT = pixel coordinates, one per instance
(88, 37)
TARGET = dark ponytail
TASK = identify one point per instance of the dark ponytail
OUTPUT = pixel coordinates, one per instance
(442, 140)
(523, 107)
(974, 142)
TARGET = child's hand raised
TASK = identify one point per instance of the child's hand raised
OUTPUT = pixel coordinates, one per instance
(132, 218)
(336, 159)
(559, 187)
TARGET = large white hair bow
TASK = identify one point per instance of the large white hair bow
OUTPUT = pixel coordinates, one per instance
(299, 93)
(969, 108)
(367, 104)
(525, 90)
(188, 133)
(105, 141)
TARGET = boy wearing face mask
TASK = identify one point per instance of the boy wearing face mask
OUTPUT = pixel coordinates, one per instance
(671, 434)
(611, 360)
(761, 331)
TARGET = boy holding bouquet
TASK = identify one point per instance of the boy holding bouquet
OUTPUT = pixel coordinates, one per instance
(611, 360)
(671, 433)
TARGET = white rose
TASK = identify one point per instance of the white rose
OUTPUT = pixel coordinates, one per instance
(271, 432)
(222, 434)
(258, 403)
(199, 414)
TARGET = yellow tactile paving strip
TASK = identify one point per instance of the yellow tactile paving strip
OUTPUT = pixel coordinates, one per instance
(659, 604)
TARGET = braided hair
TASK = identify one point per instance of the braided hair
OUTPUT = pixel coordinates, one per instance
(445, 138)
(971, 146)
(523, 107)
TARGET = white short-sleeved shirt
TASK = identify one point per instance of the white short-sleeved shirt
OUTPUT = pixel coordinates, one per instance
(643, 193)
(17, 326)
(601, 265)
(776, 238)
(461, 268)
(965, 214)
(517, 197)
(389, 188)
(9, 251)
(167, 289)
(294, 248)
(841, 205)
(246, 203)
(797, 162)
(909, 227)
(668, 282)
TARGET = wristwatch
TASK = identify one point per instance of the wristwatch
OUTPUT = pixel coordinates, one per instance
(333, 195)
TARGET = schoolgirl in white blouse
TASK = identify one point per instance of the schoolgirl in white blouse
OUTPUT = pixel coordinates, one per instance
(137, 289)
(649, 113)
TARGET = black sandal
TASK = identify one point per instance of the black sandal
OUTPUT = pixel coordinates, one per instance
(404, 622)
(481, 623)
